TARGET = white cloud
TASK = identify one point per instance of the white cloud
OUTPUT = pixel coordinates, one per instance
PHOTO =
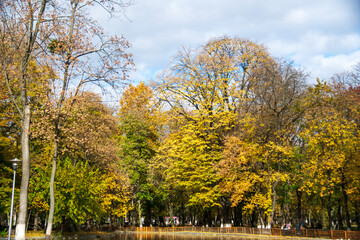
(323, 36)
(327, 66)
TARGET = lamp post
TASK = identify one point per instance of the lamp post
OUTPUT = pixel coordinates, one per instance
(14, 165)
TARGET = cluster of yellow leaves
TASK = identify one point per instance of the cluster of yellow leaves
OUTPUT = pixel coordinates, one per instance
(246, 176)
(190, 166)
(115, 201)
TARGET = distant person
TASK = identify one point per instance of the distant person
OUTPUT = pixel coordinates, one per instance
(302, 224)
(286, 226)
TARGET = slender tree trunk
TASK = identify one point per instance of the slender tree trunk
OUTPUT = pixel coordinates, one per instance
(52, 192)
(345, 196)
(28, 220)
(171, 214)
(323, 213)
(299, 196)
(23, 202)
(339, 217)
(273, 205)
(253, 218)
(139, 204)
(238, 216)
(329, 212)
(57, 120)
(262, 223)
(227, 211)
(36, 221)
(209, 220)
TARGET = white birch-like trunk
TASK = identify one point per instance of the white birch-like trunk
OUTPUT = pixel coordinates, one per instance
(52, 193)
(23, 201)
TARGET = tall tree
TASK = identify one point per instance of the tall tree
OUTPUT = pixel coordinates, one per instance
(20, 26)
(87, 140)
(208, 87)
(80, 53)
(330, 132)
(138, 138)
(279, 98)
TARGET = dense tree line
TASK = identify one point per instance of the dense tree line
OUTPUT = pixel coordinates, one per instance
(227, 134)
(234, 136)
(249, 142)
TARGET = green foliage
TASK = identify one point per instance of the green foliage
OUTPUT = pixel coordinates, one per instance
(5, 187)
(39, 189)
(79, 190)
(138, 140)
(3, 233)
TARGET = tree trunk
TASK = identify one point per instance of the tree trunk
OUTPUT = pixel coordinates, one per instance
(238, 216)
(262, 223)
(140, 222)
(329, 212)
(345, 196)
(36, 221)
(299, 195)
(52, 193)
(340, 218)
(23, 201)
(253, 218)
(171, 215)
(273, 205)
(28, 220)
(227, 212)
(323, 213)
(209, 219)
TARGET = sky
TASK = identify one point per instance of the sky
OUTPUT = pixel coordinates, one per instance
(320, 36)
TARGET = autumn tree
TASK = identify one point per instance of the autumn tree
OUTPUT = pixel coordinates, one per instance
(214, 78)
(279, 107)
(138, 139)
(244, 177)
(20, 26)
(265, 138)
(9, 147)
(209, 87)
(79, 53)
(88, 141)
(188, 164)
(331, 134)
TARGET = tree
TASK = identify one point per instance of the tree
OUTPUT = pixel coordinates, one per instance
(9, 147)
(331, 140)
(78, 201)
(244, 176)
(279, 98)
(115, 196)
(88, 138)
(216, 77)
(21, 24)
(138, 139)
(208, 88)
(190, 167)
(80, 53)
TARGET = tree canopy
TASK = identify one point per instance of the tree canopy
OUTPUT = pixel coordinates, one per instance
(227, 134)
